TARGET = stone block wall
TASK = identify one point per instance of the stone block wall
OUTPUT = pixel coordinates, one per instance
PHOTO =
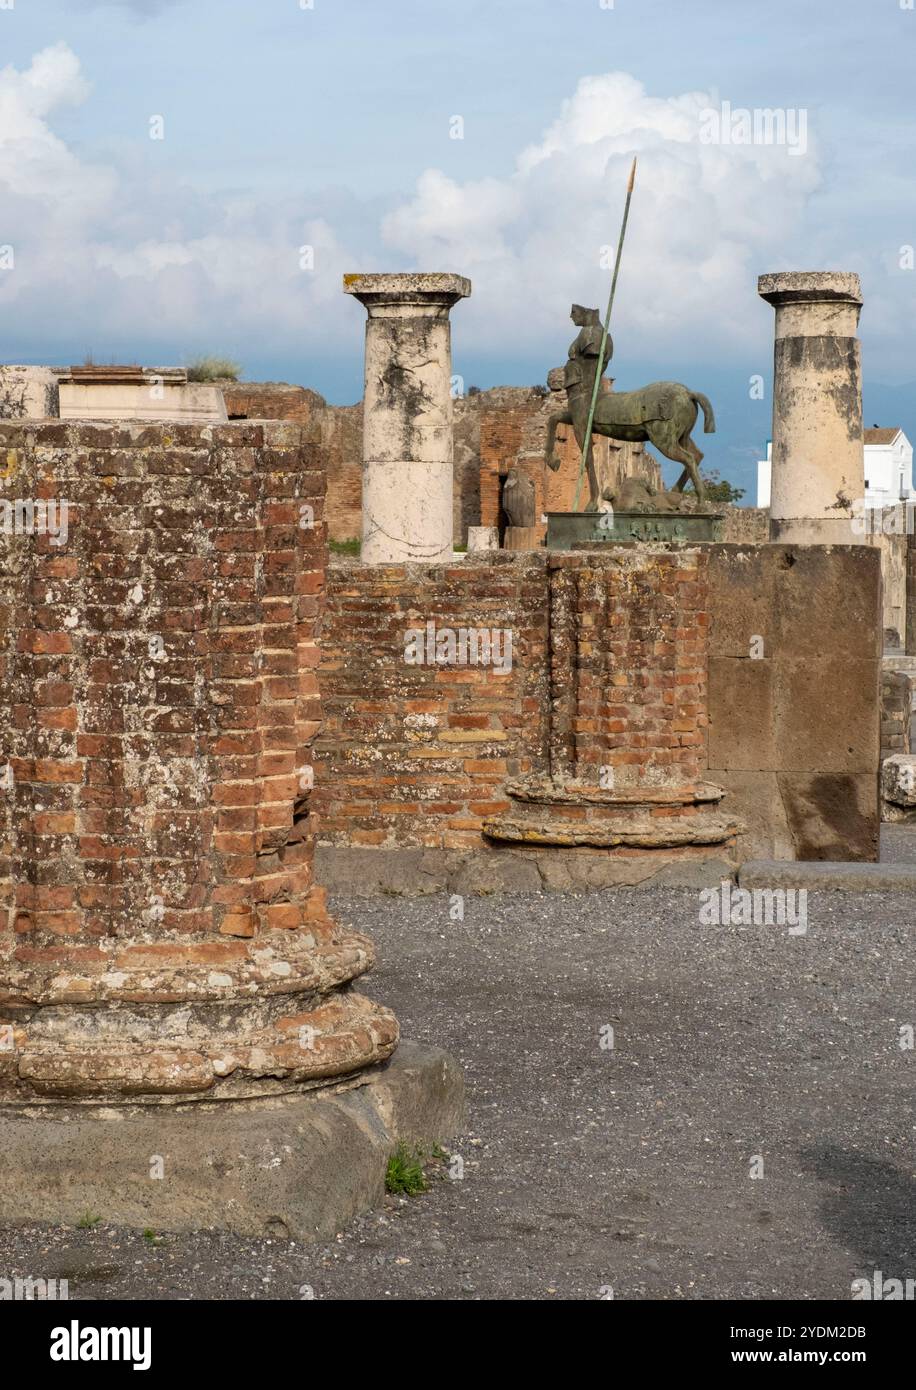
(896, 711)
(794, 710)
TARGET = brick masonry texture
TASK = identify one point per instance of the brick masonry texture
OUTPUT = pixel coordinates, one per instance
(340, 436)
(419, 755)
(642, 658)
(160, 701)
(494, 430)
(628, 648)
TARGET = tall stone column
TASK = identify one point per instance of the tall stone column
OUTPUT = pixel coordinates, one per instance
(407, 415)
(818, 451)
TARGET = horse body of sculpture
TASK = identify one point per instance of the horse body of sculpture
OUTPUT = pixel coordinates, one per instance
(663, 413)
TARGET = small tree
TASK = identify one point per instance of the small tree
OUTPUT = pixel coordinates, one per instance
(718, 489)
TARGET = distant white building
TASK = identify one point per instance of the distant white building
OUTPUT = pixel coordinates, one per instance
(888, 469)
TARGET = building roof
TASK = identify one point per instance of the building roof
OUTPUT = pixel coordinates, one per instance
(881, 436)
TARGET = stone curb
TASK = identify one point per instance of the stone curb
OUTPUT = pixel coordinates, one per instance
(826, 876)
(299, 1166)
(405, 872)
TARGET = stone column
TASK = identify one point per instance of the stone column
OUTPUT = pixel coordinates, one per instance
(407, 415)
(161, 933)
(179, 1035)
(909, 633)
(818, 451)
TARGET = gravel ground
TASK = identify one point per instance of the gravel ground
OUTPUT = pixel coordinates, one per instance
(587, 1167)
(898, 844)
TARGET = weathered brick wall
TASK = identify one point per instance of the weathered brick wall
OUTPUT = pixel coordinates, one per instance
(629, 635)
(418, 754)
(159, 684)
(270, 400)
(341, 441)
(668, 666)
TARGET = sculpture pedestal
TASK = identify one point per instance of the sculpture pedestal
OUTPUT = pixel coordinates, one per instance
(566, 530)
(523, 538)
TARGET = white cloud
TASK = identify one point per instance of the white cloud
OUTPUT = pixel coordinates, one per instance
(705, 220)
(128, 253)
(125, 253)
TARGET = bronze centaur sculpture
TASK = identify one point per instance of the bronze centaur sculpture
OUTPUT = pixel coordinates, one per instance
(662, 414)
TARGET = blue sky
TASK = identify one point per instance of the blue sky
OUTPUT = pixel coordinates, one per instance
(330, 128)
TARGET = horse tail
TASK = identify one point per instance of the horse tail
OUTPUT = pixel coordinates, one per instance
(709, 419)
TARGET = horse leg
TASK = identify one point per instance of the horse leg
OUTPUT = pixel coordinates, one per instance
(592, 478)
(579, 420)
(562, 417)
(697, 455)
(661, 434)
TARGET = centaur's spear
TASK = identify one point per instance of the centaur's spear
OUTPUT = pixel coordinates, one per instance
(607, 321)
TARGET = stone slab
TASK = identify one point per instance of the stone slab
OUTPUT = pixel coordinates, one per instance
(28, 393)
(565, 530)
(826, 875)
(159, 400)
(300, 1166)
(368, 872)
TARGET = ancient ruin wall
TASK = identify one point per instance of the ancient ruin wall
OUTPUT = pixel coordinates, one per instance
(628, 645)
(794, 696)
(416, 754)
(613, 667)
(607, 665)
(160, 701)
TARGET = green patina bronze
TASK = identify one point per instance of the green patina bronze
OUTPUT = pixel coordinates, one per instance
(566, 530)
(663, 413)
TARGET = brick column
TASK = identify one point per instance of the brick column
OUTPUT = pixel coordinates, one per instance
(818, 450)
(407, 415)
(161, 935)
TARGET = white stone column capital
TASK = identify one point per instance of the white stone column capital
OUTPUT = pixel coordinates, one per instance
(810, 286)
(407, 295)
(813, 303)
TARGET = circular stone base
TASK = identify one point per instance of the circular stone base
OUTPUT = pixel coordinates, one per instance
(297, 1166)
